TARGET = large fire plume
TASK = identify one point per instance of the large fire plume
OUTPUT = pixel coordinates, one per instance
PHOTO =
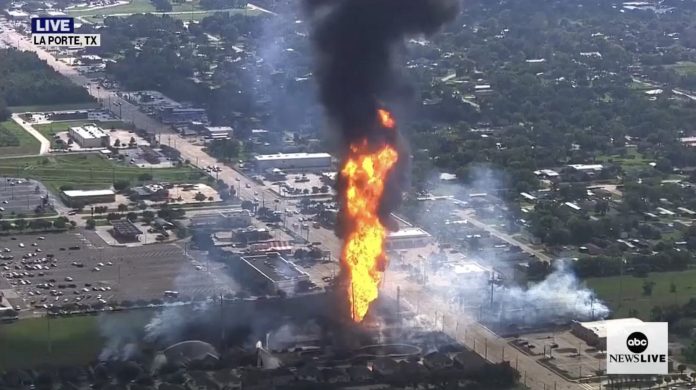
(365, 171)
(355, 42)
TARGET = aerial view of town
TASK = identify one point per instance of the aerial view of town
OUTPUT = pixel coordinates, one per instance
(348, 194)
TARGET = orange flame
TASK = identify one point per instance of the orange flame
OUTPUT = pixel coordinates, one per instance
(364, 172)
(386, 119)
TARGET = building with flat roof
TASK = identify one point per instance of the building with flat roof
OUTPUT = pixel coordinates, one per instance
(293, 161)
(408, 238)
(595, 332)
(175, 115)
(217, 132)
(80, 197)
(222, 220)
(125, 230)
(89, 136)
(587, 167)
(272, 273)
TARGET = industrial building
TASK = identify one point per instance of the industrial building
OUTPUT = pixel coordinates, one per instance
(225, 219)
(89, 136)
(214, 132)
(77, 198)
(293, 161)
(408, 238)
(595, 332)
(175, 115)
(272, 273)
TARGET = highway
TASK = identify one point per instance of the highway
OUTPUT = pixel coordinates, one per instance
(458, 325)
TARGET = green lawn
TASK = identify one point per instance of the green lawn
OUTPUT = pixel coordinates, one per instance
(74, 340)
(685, 68)
(13, 134)
(623, 293)
(631, 161)
(88, 171)
(54, 107)
(179, 11)
(25, 343)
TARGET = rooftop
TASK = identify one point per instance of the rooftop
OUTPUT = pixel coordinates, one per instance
(290, 156)
(275, 268)
(80, 193)
(600, 327)
(125, 228)
(89, 131)
(408, 232)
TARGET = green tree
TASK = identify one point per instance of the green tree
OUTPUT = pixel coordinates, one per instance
(90, 224)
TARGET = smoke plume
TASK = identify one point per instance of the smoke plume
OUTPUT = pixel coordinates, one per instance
(355, 42)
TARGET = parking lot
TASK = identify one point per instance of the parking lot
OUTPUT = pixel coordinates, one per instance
(67, 269)
(20, 196)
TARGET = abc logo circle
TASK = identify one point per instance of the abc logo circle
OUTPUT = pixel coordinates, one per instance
(637, 342)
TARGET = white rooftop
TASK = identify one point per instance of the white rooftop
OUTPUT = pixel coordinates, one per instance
(587, 167)
(600, 327)
(290, 156)
(89, 132)
(79, 193)
(408, 232)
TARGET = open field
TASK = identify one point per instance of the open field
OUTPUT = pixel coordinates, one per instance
(631, 161)
(54, 107)
(88, 171)
(184, 11)
(74, 340)
(18, 141)
(623, 293)
(685, 68)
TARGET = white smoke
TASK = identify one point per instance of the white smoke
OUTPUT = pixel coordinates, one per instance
(560, 295)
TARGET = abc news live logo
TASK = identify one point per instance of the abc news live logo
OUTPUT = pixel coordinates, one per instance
(637, 349)
(60, 31)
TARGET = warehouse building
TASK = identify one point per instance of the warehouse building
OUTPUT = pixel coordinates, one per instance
(76, 198)
(293, 161)
(272, 273)
(594, 333)
(89, 136)
(222, 220)
(408, 238)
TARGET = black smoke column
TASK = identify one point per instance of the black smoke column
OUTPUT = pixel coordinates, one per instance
(354, 42)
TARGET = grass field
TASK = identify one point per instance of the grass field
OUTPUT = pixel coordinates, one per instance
(87, 171)
(55, 107)
(27, 144)
(685, 68)
(184, 11)
(623, 293)
(25, 343)
(631, 161)
(74, 340)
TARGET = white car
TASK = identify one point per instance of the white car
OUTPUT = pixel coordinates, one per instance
(21, 245)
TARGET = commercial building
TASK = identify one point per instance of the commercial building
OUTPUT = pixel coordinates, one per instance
(155, 192)
(125, 230)
(222, 220)
(175, 115)
(272, 273)
(293, 161)
(408, 238)
(80, 198)
(89, 136)
(214, 132)
(595, 332)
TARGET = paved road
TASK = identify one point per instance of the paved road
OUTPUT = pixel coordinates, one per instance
(470, 216)
(45, 144)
